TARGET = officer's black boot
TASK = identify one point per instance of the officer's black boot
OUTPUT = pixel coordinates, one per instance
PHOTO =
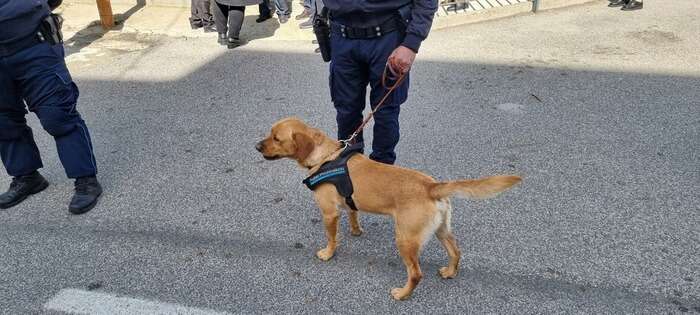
(223, 40)
(21, 188)
(87, 192)
(234, 42)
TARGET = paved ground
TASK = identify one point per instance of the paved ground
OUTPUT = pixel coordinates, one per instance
(598, 109)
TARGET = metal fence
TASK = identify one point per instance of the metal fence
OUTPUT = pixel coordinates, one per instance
(466, 6)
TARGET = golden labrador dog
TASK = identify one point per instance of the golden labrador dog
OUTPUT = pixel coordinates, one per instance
(419, 205)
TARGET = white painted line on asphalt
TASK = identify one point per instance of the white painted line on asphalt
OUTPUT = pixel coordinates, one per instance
(75, 301)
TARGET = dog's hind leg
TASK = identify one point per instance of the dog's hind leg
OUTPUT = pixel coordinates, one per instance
(355, 228)
(444, 234)
(412, 230)
(409, 250)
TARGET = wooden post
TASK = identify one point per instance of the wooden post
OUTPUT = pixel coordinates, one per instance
(106, 16)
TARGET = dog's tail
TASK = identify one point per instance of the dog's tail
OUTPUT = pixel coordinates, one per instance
(481, 188)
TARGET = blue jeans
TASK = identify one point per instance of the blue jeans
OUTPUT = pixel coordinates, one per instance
(37, 76)
(355, 64)
(281, 5)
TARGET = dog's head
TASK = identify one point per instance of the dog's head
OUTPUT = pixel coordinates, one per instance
(290, 138)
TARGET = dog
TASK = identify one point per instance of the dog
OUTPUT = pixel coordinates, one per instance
(419, 205)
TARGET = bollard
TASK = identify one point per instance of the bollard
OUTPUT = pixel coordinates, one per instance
(106, 16)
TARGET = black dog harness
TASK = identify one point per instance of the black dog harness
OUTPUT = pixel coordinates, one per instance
(336, 172)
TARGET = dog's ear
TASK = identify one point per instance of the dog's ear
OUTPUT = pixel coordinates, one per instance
(305, 145)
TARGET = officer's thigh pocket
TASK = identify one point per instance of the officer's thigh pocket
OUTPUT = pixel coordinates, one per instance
(58, 114)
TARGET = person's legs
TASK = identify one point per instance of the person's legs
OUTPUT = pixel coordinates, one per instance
(307, 10)
(204, 10)
(235, 21)
(283, 8)
(265, 11)
(386, 119)
(18, 151)
(220, 17)
(348, 84)
(195, 21)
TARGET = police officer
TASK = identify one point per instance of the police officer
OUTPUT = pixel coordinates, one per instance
(33, 75)
(366, 35)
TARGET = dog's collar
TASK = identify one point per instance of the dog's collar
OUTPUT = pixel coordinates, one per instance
(331, 156)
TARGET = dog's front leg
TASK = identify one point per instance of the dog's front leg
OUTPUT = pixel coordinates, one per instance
(330, 214)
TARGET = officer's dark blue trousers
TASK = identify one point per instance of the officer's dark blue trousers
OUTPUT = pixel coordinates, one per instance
(37, 78)
(355, 64)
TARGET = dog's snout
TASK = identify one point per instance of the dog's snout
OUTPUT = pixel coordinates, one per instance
(259, 146)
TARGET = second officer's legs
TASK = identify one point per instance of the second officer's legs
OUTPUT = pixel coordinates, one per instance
(40, 77)
(49, 91)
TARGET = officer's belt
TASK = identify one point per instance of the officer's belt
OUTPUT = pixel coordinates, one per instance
(386, 27)
(12, 48)
(336, 172)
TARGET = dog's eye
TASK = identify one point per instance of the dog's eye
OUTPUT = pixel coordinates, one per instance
(276, 139)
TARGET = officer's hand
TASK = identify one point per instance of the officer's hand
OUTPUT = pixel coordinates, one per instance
(401, 60)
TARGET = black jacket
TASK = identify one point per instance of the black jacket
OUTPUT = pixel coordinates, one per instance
(355, 11)
(20, 18)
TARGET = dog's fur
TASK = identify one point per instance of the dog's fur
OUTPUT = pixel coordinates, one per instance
(419, 205)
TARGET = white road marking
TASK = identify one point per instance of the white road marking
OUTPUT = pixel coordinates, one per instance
(75, 301)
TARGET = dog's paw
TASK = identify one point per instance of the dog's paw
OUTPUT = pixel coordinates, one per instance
(400, 294)
(324, 254)
(357, 232)
(447, 273)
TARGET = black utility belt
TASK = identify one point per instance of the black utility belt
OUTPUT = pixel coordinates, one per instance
(391, 25)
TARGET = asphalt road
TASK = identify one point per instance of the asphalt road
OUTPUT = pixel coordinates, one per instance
(598, 110)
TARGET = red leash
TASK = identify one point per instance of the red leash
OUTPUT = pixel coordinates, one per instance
(390, 89)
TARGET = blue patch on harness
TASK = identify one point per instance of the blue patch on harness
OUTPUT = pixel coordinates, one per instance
(327, 174)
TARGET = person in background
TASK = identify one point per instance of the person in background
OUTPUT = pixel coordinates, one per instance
(228, 17)
(316, 8)
(282, 8)
(307, 10)
(201, 16)
(34, 76)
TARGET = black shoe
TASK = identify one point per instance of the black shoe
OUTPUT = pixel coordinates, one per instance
(633, 5)
(308, 24)
(21, 188)
(617, 3)
(315, 42)
(283, 19)
(234, 42)
(223, 40)
(87, 192)
(263, 18)
(317, 50)
(195, 26)
(209, 29)
(303, 15)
